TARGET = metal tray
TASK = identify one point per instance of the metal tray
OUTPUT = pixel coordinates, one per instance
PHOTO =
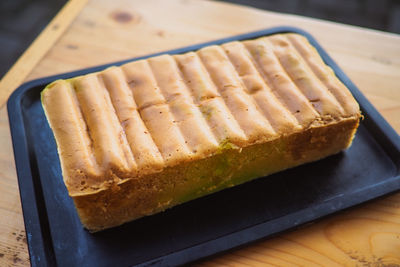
(206, 226)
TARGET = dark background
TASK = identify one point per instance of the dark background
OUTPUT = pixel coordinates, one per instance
(22, 20)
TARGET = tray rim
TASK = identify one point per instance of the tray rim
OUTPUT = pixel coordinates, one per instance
(39, 256)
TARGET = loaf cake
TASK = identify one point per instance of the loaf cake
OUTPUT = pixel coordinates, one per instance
(137, 139)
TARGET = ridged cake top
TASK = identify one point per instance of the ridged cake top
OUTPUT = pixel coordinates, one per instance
(150, 114)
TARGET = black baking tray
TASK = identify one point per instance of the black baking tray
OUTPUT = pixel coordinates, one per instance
(202, 227)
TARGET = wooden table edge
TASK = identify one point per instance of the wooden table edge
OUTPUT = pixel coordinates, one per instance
(36, 51)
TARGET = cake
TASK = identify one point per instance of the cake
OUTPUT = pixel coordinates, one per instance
(141, 138)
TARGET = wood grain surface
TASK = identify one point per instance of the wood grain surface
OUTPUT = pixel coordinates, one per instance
(107, 31)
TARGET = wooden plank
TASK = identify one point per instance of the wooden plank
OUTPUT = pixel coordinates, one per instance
(106, 31)
(24, 65)
(13, 246)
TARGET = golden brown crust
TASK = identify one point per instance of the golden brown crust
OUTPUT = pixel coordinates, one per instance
(135, 139)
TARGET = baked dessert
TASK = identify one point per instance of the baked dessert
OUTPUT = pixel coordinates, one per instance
(137, 139)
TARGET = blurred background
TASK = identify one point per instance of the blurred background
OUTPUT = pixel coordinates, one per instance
(22, 20)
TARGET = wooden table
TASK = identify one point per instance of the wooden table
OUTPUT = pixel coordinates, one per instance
(89, 33)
